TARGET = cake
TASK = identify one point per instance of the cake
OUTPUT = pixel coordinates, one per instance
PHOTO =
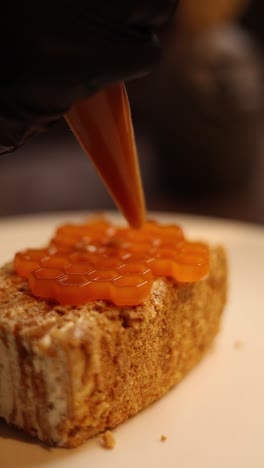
(70, 372)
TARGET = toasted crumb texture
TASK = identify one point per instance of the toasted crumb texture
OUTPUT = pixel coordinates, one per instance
(69, 373)
(108, 440)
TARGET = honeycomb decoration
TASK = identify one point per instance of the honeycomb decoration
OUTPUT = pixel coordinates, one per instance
(100, 261)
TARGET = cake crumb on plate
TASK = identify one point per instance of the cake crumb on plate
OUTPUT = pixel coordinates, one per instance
(238, 344)
(108, 440)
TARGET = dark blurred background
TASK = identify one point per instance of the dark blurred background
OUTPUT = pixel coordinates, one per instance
(199, 125)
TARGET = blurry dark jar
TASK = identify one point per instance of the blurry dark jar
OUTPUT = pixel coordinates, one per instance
(203, 107)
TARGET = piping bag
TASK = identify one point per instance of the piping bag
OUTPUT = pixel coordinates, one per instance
(102, 125)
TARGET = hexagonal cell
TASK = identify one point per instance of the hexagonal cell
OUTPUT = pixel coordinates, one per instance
(131, 290)
(134, 268)
(79, 268)
(48, 273)
(80, 257)
(130, 281)
(32, 254)
(73, 280)
(65, 241)
(55, 261)
(103, 275)
(105, 262)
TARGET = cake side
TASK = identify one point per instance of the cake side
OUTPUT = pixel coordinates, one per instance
(68, 373)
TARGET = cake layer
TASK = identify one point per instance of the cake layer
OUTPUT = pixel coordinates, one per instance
(67, 373)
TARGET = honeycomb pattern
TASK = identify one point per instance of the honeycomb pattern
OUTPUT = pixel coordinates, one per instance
(99, 261)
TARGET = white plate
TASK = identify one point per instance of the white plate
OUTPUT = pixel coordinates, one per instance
(215, 417)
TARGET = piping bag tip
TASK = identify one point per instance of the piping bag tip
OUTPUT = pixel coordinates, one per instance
(102, 125)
